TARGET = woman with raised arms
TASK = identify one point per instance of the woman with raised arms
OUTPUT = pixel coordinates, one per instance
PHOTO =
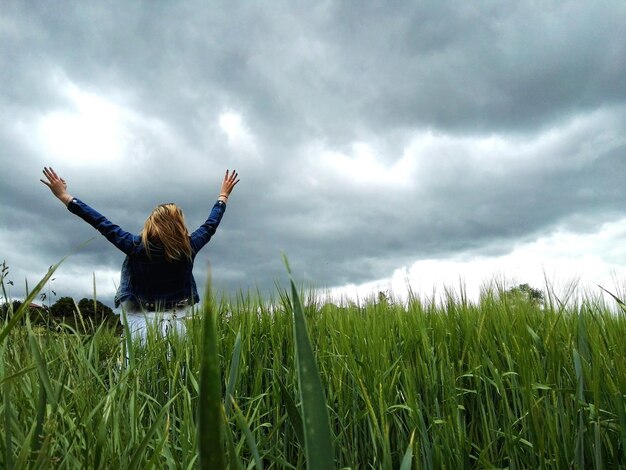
(156, 278)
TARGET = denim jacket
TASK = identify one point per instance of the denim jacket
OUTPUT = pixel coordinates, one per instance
(152, 279)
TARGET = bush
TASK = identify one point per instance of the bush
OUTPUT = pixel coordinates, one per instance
(64, 307)
(94, 309)
(64, 312)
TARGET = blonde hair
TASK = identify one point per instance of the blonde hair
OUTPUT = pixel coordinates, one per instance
(166, 226)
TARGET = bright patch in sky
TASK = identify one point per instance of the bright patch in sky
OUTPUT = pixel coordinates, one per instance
(436, 156)
(237, 133)
(90, 130)
(589, 260)
(363, 165)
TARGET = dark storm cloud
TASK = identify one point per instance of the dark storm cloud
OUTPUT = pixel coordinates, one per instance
(321, 76)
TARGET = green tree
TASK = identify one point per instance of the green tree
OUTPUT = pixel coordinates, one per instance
(64, 307)
(94, 309)
(524, 291)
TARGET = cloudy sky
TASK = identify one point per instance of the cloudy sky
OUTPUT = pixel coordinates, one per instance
(380, 144)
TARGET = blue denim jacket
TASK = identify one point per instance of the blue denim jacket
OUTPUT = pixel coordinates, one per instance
(151, 280)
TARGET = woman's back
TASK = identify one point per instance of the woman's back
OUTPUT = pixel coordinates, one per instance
(155, 278)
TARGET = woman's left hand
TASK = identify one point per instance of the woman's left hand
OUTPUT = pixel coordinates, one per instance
(230, 180)
(57, 185)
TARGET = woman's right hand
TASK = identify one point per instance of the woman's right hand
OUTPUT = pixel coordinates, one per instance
(230, 180)
(57, 185)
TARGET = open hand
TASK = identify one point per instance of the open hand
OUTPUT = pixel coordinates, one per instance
(230, 180)
(57, 185)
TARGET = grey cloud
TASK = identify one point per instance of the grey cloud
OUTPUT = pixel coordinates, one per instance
(343, 70)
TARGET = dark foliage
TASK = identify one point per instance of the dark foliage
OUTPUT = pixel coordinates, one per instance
(89, 315)
(5, 308)
(94, 309)
(64, 307)
(527, 292)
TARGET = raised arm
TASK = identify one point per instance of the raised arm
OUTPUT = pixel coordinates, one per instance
(123, 240)
(203, 234)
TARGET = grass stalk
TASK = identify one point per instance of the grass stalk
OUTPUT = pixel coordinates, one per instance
(210, 435)
(317, 434)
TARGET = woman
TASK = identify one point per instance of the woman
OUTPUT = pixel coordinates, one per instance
(157, 271)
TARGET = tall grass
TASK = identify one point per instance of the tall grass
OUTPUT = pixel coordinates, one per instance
(500, 383)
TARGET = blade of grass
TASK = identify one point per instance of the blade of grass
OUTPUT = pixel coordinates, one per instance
(407, 460)
(292, 411)
(141, 449)
(317, 434)
(427, 453)
(41, 416)
(245, 429)
(42, 365)
(30, 296)
(6, 403)
(621, 413)
(17, 374)
(234, 373)
(157, 453)
(597, 446)
(24, 452)
(580, 396)
(128, 343)
(27, 301)
(233, 461)
(617, 299)
(210, 443)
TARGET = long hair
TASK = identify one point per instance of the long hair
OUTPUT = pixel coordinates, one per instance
(166, 226)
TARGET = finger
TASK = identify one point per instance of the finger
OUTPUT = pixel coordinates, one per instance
(45, 182)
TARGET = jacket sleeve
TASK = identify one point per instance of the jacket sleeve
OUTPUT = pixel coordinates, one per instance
(123, 240)
(201, 237)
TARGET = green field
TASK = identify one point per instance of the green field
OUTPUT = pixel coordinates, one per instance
(504, 382)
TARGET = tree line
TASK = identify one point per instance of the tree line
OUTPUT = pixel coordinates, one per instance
(83, 316)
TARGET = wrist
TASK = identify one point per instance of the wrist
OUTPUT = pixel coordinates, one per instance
(66, 198)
